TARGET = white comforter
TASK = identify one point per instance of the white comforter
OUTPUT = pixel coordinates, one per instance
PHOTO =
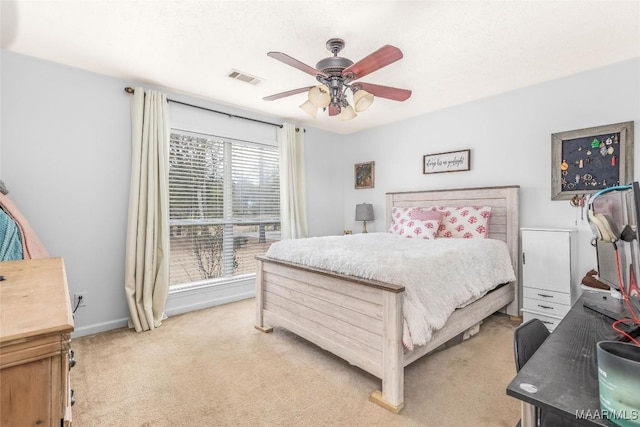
(438, 275)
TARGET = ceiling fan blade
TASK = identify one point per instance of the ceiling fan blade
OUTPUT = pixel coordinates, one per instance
(385, 91)
(334, 110)
(380, 58)
(283, 57)
(287, 93)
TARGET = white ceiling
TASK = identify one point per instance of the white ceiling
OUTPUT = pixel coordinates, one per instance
(454, 51)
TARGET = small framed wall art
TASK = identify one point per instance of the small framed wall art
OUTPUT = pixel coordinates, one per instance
(364, 175)
(587, 160)
(451, 161)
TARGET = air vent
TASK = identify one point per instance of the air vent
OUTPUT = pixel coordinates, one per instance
(244, 77)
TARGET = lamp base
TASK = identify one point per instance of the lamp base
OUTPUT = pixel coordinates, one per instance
(364, 227)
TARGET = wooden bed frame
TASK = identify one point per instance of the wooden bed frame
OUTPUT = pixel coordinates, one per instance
(361, 320)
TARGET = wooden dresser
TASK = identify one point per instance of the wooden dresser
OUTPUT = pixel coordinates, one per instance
(35, 326)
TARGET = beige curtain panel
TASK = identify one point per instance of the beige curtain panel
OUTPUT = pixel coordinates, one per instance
(147, 249)
(293, 187)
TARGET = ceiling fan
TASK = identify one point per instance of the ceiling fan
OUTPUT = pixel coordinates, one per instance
(336, 75)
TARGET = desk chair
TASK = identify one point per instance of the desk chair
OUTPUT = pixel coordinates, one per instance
(527, 338)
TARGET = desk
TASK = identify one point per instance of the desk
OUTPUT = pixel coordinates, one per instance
(565, 367)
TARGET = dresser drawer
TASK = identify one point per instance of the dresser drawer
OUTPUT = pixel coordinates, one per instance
(550, 322)
(545, 307)
(546, 295)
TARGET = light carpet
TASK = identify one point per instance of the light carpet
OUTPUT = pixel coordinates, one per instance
(212, 368)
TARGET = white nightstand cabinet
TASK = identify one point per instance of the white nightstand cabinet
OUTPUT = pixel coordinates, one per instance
(546, 274)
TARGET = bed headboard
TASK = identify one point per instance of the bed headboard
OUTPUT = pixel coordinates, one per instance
(503, 222)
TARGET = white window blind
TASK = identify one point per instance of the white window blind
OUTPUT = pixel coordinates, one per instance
(224, 206)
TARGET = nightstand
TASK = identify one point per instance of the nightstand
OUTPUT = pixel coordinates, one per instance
(547, 264)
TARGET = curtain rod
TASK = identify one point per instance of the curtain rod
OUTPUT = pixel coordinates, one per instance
(130, 90)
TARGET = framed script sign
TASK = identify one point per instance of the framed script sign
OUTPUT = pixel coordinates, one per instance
(451, 161)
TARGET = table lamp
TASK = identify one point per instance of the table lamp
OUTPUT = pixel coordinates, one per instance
(364, 212)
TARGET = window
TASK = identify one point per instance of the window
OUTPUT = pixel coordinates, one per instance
(224, 206)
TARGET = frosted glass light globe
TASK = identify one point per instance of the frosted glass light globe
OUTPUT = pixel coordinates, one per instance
(319, 96)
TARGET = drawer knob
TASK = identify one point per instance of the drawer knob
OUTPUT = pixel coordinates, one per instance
(545, 306)
(73, 398)
(72, 359)
(545, 296)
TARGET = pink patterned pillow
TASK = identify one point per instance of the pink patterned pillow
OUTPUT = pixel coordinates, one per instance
(422, 214)
(467, 222)
(415, 222)
(398, 216)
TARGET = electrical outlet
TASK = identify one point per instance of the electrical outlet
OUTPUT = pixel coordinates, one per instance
(80, 299)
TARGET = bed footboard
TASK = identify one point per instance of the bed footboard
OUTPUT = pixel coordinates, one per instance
(357, 320)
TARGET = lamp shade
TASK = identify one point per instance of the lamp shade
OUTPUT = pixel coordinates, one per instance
(319, 96)
(309, 108)
(347, 113)
(362, 100)
(364, 212)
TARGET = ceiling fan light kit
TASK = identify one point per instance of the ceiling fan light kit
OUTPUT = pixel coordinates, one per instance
(362, 100)
(319, 96)
(309, 108)
(347, 113)
(336, 75)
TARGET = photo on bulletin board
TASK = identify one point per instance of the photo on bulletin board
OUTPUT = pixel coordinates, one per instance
(585, 161)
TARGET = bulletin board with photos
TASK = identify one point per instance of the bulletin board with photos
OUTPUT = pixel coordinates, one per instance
(587, 160)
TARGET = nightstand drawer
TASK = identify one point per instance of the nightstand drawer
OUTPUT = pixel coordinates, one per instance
(545, 295)
(550, 322)
(545, 307)
(550, 285)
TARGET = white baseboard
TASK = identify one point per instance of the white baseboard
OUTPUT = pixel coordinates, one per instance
(184, 301)
(198, 299)
(99, 327)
